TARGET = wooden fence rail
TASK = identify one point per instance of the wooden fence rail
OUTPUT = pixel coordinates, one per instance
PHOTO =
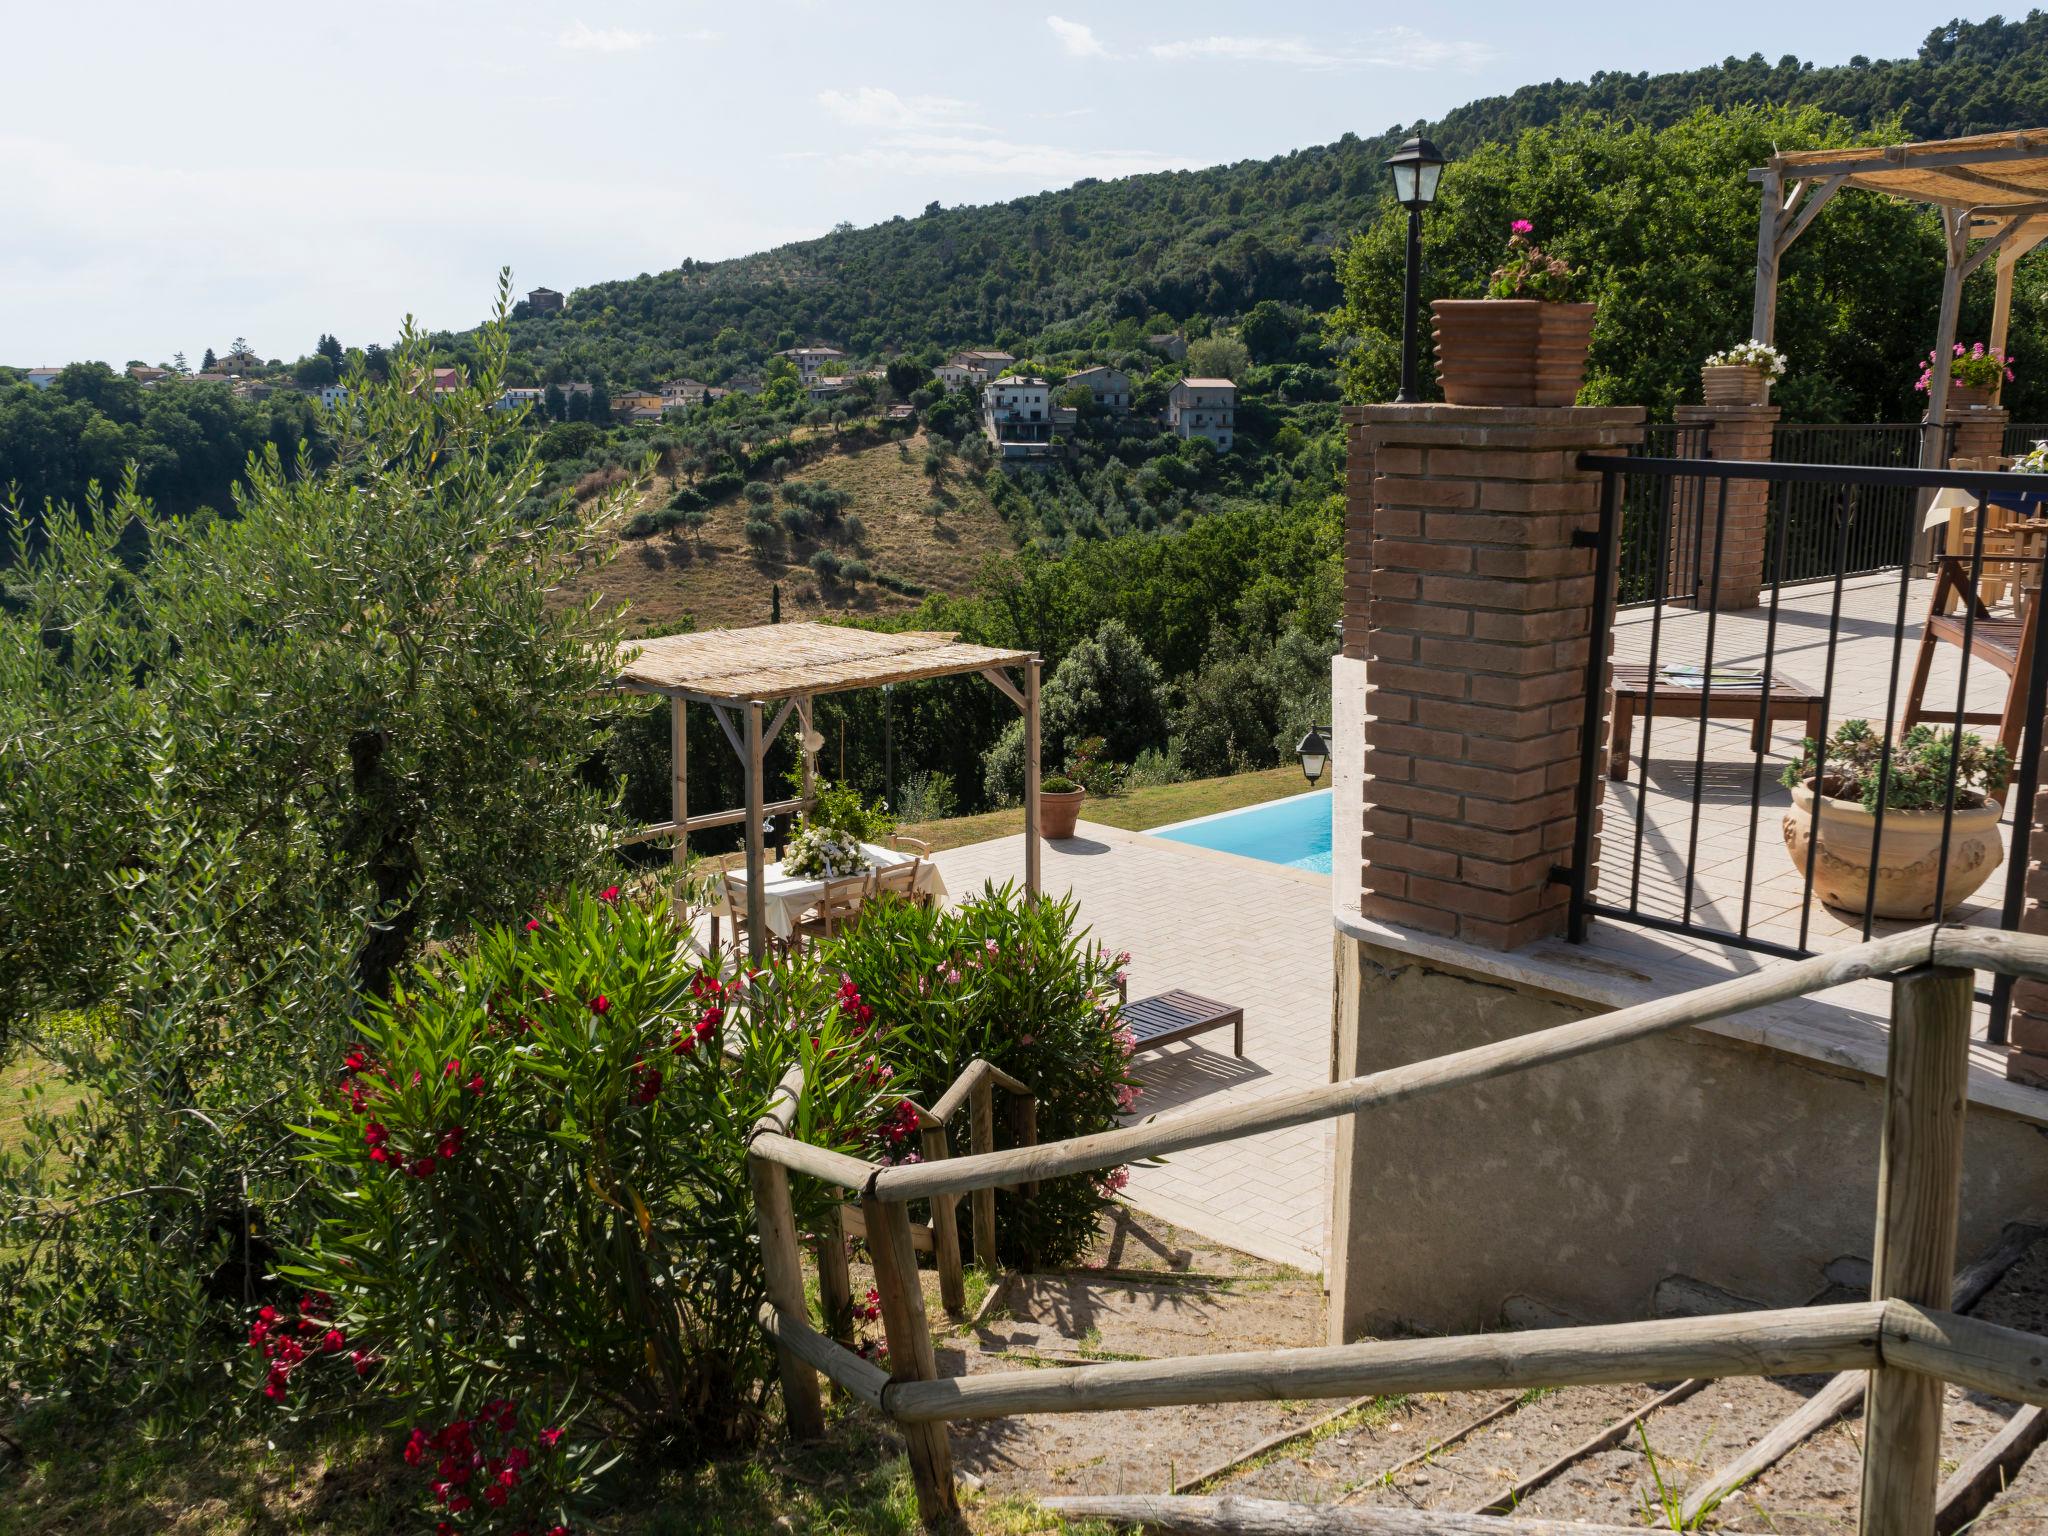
(1905, 1346)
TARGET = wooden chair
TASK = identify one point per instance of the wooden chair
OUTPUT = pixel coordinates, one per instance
(914, 845)
(900, 880)
(735, 887)
(2000, 574)
(838, 903)
(2006, 643)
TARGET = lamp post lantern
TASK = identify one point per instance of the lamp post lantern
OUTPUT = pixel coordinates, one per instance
(1314, 753)
(1416, 165)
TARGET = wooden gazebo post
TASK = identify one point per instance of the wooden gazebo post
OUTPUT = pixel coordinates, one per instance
(757, 862)
(1031, 849)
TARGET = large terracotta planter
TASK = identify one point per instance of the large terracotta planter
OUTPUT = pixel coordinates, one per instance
(1734, 384)
(1511, 351)
(1964, 397)
(1908, 863)
(1058, 811)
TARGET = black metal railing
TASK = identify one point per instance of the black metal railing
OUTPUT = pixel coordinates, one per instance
(1684, 838)
(2021, 436)
(1883, 523)
(1660, 520)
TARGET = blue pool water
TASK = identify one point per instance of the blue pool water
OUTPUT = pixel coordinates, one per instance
(1294, 831)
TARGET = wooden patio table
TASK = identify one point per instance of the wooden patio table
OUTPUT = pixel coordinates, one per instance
(1783, 700)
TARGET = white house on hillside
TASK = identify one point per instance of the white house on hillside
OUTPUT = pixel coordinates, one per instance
(1204, 408)
(1016, 416)
(42, 378)
(956, 375)
(983, 365)
(811, 361)
(1110, 387)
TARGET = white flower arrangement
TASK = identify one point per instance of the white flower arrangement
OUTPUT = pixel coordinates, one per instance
(822, 853)
(1760, 355)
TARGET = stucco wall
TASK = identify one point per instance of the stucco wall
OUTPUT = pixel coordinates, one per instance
(1636, 1182)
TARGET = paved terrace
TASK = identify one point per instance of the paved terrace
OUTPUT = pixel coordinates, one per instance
(1233, 928)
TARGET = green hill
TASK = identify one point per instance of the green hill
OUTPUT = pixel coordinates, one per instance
(1064, 267)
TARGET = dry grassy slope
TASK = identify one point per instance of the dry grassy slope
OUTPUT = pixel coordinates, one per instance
(716, 580)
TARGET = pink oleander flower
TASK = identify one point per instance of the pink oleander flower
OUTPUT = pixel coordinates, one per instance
(1522, 227)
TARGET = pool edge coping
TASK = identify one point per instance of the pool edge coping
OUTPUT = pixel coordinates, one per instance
(1238, 810)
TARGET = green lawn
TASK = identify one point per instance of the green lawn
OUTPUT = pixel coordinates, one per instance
(1156, 805)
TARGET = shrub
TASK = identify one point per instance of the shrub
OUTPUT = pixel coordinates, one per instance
(927, 797)
(1023, 985)
(825, 563)
(854, 570)
(715, 488)
(1916, 778)
(759, 493)
(641, 525)
(796, 520)
(1088, 767)
(532, 1174)
(1155, 765)
(760, 532)
(1106, 686)
(856, 530)
(687, 499)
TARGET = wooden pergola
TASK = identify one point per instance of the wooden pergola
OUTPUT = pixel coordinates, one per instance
(1991, 188)
(742, 673)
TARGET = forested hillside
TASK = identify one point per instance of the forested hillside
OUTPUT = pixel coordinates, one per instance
(1181, 246)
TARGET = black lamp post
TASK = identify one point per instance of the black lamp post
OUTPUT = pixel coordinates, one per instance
(1416, 166)
(1314, 752)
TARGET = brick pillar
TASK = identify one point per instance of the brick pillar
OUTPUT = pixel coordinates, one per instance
(2026, 1057)
(1480, 614)
(1732, 432)
(1979, 432)
(1357, 531)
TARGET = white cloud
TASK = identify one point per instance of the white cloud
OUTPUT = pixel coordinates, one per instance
(870, 106)
(1078, 39)
(581, 37)
(1396, 48)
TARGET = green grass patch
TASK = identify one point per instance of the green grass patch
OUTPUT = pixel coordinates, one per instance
(1155, 805)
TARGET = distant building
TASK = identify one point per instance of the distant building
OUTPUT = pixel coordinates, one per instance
(901, 412)
(518, 395)
(643, 413)
(811, 361)
(253, 389)
(543, 301)
(42, 378)
(829, 387)
(236, 362)
(626, 401)
(333, 396)
(956, 375)
(1172, 343)
(146, 375)
(681, 394)
(983, 365)
(1110, 387)
(1016, 416)
(1204, 408)
(446, 381)
(212, 376)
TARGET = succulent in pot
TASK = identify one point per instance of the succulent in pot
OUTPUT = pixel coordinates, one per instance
(1525, 343)
(1835, 823)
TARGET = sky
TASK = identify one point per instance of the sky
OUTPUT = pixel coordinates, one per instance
(175, 176)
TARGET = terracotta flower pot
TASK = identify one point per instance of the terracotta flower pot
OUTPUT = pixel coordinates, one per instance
(1908, 862)
(1511, 351)
(1963, 397)
(1734, 384)
(1058, 810)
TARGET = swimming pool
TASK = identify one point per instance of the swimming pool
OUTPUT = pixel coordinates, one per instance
(1294, 831)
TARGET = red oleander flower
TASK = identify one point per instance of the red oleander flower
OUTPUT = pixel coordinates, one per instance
(476, 1083)
(375, 1134)
(550, 1438)
(609, 895)
(335, 1340)
(450, 1068)
(517, 1458)
(495, 1497)
(423, 1167)
(451, 1143)
(533, 925)
(600, 1004)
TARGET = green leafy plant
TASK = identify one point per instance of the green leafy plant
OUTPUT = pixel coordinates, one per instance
(1023, 985)
(838, 807)
(1973, 367)
(1529, 272)
(1088, 766)
(531, 1174)
(1057, 784)
(1915, 773)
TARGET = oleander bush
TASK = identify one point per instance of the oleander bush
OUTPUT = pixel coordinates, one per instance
(530, 1173)
(1024, 986)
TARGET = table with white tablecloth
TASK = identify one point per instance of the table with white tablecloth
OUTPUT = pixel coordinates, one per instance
(787, 897)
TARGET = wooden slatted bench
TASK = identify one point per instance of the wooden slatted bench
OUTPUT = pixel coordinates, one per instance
(1178, 1015)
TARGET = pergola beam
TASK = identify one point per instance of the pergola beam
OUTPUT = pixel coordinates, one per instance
(1818, 198)
(1896, 158)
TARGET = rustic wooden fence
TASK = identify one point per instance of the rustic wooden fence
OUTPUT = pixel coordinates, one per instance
(1903, 1337)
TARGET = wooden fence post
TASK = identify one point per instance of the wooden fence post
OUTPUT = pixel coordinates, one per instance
(783, 1266)
(1919, 1193)
(981, 1107)
(910, 1354)
(945, 1229)
(835, 1279)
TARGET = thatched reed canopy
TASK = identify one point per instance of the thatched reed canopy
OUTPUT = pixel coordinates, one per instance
(740, 672)
(1985, 171)
(775, 661)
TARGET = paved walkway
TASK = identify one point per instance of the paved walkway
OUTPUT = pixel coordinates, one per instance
(1232, 928)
